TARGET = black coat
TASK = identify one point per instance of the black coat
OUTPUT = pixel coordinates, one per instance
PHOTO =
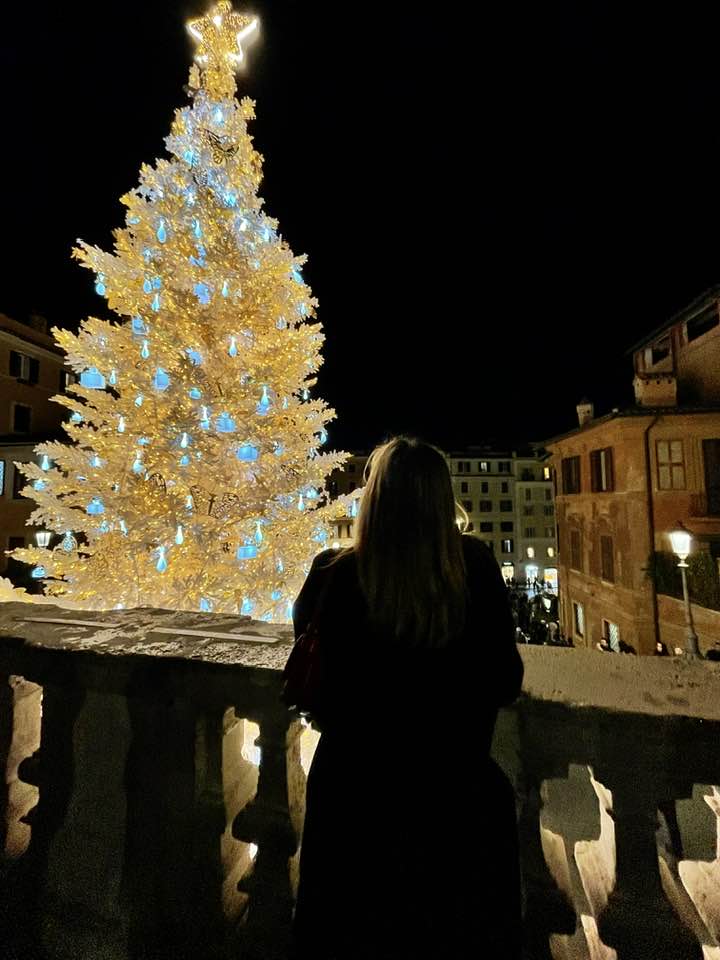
(408, 820)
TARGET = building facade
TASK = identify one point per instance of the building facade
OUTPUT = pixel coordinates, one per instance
(508, 497)
(341, 483)
(625, 480)
(31, 372)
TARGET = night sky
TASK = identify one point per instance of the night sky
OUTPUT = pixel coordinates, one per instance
(494, 208)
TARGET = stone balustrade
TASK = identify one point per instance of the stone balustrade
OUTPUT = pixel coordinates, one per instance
(154, 792)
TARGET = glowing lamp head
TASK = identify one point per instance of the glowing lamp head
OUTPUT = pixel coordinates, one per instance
(681, 540)
(42, 537)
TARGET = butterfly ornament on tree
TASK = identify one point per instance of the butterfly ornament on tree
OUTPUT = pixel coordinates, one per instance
(222, 148)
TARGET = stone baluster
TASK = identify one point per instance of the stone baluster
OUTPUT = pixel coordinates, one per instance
(270, 822)
(6, 732)
(52, 770)
(638, 920)
(6, 736)
(546, 909)
(175, 819)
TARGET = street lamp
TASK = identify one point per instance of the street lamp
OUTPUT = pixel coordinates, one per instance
(42, 537)
(680, 539)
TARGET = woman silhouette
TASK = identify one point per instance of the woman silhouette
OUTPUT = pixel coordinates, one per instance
(409, 848)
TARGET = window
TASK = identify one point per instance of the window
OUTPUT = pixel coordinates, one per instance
(486, 526)
(551, 551)
(528, 511)
(21, 418)
(548, 510)
(464, 487)
(484, 466)
(571, 475)
(484, 486)
(548, 494)
(507, 546)
(15, 569)
(575, 550)
(601, 470)
(530, 553)
(467, 505)
(702, 322)
(579, 619)
(660, 350)
(607, 559)
(546, 473)
(549, 533)
(670, 465)
(711, 460)
(506, 506)
(19, 482)
(528, 493)
(611, 635)
(24, 367)
(463, 466)
(485, 506)
(2, 477)
(530, 532)
(506, 526)
(503, 466)
(490, 545)
(504, 487)
(527, 474)
(68, 377)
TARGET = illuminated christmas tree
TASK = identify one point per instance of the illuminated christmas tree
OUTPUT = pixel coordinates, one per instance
(195, 477)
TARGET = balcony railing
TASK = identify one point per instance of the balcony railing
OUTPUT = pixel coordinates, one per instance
(154, 793)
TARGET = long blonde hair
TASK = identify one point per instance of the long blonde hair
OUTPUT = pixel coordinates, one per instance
(408, 547)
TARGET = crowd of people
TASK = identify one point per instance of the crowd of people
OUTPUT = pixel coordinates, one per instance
(535, 613)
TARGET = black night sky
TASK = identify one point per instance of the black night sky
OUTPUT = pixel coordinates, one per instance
(495, 203)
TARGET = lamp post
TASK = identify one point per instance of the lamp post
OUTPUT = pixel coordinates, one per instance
(681, 539)
(42, 537)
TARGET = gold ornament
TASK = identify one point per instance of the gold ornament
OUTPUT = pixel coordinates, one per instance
(220, 34)
(222, 149)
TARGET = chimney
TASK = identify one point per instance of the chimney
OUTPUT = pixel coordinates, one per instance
(655, 390)
(37, 322)
(585, 411)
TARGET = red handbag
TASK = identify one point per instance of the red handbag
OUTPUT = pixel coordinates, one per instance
(304, 673)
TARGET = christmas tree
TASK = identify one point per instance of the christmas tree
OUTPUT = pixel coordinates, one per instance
(195, 477)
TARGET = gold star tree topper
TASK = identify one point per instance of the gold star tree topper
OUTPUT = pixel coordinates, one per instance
(220, 35)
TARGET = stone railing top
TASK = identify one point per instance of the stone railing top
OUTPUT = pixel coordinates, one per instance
(221, 639)
(656, 686)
